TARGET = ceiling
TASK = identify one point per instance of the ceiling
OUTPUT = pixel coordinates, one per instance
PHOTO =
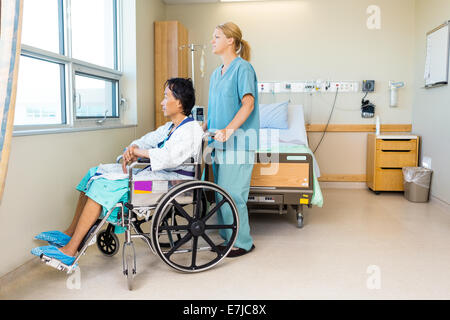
(198, 1)
(188, 1)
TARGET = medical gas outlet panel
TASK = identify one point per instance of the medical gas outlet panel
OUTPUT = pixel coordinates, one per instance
(309, 86)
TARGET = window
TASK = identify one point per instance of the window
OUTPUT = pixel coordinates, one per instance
(69, 69)
(95, 96)
(40, 95)
(93, 32)
(42, 25)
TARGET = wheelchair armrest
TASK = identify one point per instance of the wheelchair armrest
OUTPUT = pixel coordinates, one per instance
(140, 160)
(143, 160)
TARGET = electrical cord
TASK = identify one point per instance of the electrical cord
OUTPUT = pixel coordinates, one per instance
(328, 122)
(367, 92)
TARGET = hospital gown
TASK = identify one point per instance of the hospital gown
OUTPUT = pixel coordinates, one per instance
(107, 184)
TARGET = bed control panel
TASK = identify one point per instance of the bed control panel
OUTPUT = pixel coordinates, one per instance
(274, 199)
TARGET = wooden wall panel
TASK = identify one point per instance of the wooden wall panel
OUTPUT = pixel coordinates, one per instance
(170, 61)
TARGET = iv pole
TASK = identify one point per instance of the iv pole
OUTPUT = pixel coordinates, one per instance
(192, 47)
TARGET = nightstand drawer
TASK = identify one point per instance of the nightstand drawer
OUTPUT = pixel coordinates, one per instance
(395, 159)
(396, 144)
(389, 179)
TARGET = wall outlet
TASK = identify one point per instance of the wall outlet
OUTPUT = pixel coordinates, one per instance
(277, 87)
(266, 87)
(298, 87)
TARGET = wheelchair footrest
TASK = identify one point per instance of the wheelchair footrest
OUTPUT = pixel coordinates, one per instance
(57, 264)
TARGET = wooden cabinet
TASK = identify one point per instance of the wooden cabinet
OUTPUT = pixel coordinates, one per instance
(386, 156)
(170, 61)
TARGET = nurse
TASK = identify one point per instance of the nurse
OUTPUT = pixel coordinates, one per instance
(233, 115)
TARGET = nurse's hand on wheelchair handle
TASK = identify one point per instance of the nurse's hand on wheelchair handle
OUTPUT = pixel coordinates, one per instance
(223, 135)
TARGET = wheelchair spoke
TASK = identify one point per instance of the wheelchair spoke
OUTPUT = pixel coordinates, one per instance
(169, 235)
(181, 211)
(198, 201)
(217, 207)
(173, 228)
(211, 243)
(194, 252)
(178, 245)
(219, 226)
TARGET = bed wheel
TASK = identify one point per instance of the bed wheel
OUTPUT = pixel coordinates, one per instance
(299, 220)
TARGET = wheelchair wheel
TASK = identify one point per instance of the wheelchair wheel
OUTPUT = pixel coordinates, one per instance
(201, 230)
(129, 263)
(107, 241)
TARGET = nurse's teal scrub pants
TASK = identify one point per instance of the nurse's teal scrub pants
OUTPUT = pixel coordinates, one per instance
(234, 176)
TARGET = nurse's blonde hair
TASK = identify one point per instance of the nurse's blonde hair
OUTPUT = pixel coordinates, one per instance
(241, 47)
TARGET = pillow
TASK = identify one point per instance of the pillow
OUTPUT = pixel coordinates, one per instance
(296, 132)
(274, 116)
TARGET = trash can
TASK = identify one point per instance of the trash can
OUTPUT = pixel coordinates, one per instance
(416, 182)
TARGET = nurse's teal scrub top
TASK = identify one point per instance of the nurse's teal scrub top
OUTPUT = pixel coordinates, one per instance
(225, 100)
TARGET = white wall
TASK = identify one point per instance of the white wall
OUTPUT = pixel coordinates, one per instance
(44, 170)
(431, 109)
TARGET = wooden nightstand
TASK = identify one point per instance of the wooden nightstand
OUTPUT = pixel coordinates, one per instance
(386, 156)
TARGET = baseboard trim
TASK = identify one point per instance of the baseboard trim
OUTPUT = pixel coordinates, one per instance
(342, 185)
(441, 203)
(343, 178)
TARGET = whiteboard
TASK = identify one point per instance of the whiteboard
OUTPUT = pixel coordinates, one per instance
(437, 60)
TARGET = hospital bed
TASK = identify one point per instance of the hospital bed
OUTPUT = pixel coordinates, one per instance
(285, 173)
(182, 215)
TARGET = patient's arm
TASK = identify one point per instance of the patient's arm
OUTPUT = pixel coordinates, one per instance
(140, 153)
(131, 155)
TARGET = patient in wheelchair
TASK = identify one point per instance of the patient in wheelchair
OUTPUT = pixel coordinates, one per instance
(104, 186)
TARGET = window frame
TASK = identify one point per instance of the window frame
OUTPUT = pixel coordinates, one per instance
(73, 66)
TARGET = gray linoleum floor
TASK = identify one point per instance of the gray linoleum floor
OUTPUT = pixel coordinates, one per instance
(358, 246)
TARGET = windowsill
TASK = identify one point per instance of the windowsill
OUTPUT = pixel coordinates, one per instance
(32, 132)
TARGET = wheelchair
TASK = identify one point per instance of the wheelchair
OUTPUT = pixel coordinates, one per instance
(182, 215)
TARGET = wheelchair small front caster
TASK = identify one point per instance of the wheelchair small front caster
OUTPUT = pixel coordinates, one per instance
(129, 263)
(299, 220)
(107, 242)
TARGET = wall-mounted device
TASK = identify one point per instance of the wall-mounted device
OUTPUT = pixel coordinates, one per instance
(368, 86)
(198, 113)
(367, 109)
(394, 86)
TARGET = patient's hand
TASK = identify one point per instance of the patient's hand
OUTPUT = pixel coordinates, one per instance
(128, 157)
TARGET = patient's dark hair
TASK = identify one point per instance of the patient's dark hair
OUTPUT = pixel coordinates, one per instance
(183, 90)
